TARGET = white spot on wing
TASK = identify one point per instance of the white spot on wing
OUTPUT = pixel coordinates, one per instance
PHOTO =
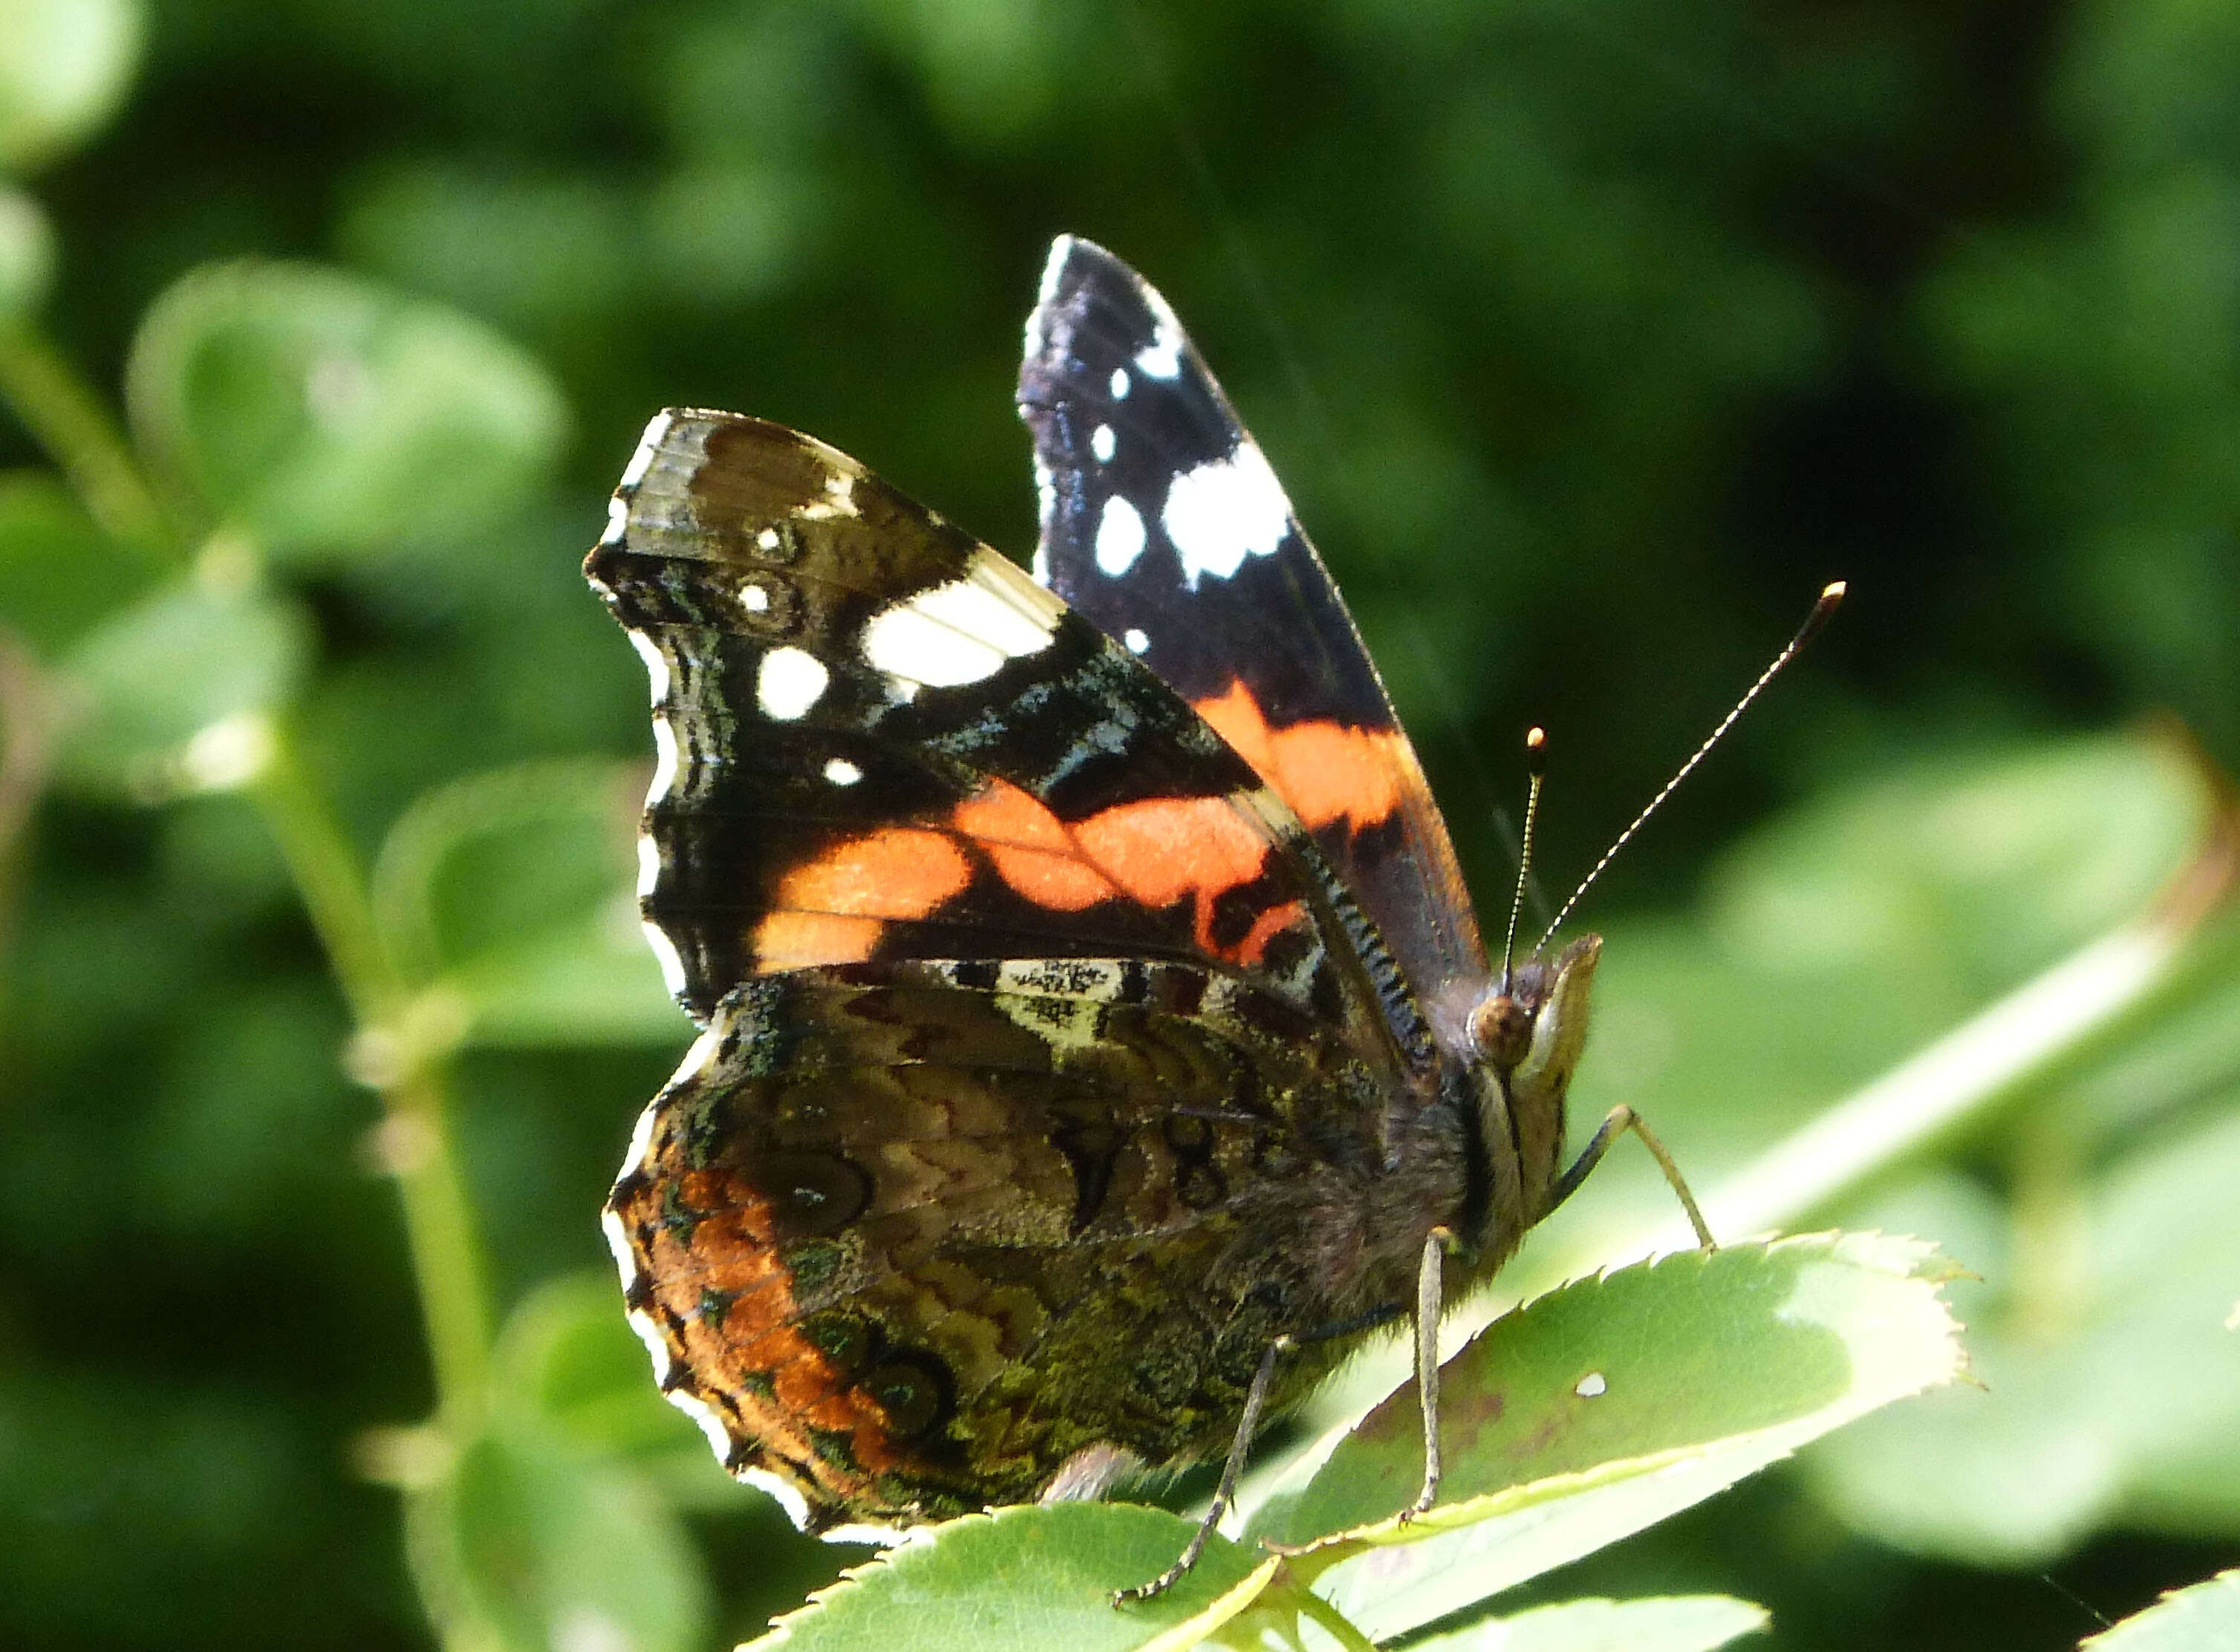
(1119, 537)
(1224, 511)
(657, 663)
(963, 631)
(767, 539)
(648, 865)
(1102, 443)
(1162, 356)
(1591, 1385)
(665, 762)
(754, 598)
(790, 681)
(618, 518)
(1135, 640)
(1119, 383)
(841, 772)
(657, 431)
(1046, 497)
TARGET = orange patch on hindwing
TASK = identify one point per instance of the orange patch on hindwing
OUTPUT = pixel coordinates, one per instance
(709, 1244)
(1325, 771)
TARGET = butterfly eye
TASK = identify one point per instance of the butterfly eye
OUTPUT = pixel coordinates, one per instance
(1501, 1027)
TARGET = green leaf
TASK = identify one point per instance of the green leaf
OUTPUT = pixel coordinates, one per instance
(2205, 1618)
(569, 1359)
(1660, 1623)
(544, 1549)
(27, 254)
(1030, 1578)
(511, 893)
(2110, 1368)
(64, 66)
(60, 575)
(324, 414)
(179, 686)
(1609, 1404)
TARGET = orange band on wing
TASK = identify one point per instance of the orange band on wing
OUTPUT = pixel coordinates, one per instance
(1326, 771)
(831, 910)
(1161, 848)
(732, 1249)
(1154, 852)
(1032, 850)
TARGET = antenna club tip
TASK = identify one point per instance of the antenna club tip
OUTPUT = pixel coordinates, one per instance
(1536, 750)
(1834, 591)
(1535, 738)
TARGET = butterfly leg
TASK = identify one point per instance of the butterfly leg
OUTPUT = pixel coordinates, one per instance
(1255, 1398)
(1430, 1289)
(1621, 1118)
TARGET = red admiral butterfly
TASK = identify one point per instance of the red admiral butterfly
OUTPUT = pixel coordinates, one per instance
(1098, 1040)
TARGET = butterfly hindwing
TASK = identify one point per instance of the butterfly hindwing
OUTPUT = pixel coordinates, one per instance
(879, 739)
(909, 1237)
(1163, 524)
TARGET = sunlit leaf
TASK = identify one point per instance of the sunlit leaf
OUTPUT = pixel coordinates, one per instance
(1660, 1623)
(2205, 1618)
(1055, 1569)
(323, 413)
(1610, 1403)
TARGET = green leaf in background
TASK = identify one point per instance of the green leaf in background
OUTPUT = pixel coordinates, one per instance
(511, 891)
(2099, 1331)
(546, 1549)
(63, 65)
(1660, 1623)
(27, 254)
(1610, 1403)
(570, 1358)
(1926, 894)
(179, 686)
(1055, 1569)
(324, 414)
(60, 574)
(2205, 1618)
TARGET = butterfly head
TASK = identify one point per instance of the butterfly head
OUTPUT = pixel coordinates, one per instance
(1528, 1031)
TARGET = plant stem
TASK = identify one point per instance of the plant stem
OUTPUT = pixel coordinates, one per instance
(67, 418)
(416, 1137)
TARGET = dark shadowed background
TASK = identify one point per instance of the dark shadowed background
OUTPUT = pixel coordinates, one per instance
(1591, 338)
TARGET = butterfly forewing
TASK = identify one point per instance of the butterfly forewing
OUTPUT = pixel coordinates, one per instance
(1163, 523)
(877, 738)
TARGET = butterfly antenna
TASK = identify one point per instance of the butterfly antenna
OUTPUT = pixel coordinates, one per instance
(1818, 617)
(1536, 757)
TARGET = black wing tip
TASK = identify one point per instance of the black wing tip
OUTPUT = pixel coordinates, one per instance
(1080, 281)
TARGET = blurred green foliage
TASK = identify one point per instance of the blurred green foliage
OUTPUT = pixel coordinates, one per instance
(1591, 338)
